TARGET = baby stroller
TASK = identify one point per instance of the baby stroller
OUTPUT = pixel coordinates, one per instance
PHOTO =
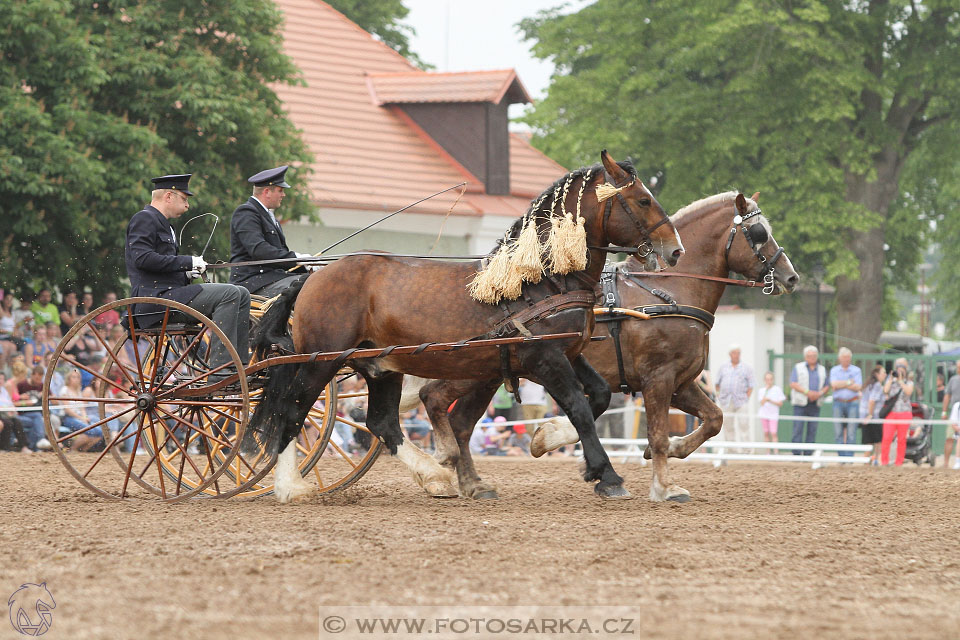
(919, 447)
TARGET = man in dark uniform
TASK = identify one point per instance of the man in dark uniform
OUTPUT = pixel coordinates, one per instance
(156, 269)
(256, 235)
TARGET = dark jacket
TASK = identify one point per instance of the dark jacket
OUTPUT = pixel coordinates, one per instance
(253, 237)
(153, 266)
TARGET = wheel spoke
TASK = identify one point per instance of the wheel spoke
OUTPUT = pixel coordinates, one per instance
(116, 440)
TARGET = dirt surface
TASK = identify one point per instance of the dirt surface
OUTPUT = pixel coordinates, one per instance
(761, 551)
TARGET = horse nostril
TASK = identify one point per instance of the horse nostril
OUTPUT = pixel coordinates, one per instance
(792, 280)
(677, 253)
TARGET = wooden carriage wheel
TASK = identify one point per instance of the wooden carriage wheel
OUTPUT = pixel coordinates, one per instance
(159, 404)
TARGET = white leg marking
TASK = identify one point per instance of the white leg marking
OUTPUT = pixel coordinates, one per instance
(435, 480)
(410, 395)
(288, 484)
(551, 435)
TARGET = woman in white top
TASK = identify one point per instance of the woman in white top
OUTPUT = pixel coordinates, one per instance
(74, 417)
(771, 399)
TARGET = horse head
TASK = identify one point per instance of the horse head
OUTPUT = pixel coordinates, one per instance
(633, 217)
(756, 254)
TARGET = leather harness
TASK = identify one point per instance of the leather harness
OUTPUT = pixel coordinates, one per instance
(610, 301)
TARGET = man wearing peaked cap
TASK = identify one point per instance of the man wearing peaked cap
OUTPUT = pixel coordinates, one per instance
(156, 269)
(255, 235)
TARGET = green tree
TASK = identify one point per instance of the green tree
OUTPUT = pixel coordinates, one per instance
(97, 97)
(835, 111)
(382, 18)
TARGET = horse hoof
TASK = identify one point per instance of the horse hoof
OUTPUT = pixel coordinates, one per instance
(612, 492)
(296, 494)
(440, 490)
(489, 494)
(680, 497)
(647, 455)
(551, 435)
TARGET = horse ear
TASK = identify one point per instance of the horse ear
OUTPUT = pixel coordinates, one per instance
(741, 203)
(756, 197)
(612, 167)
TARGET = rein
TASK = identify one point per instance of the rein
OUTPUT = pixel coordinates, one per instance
(335, 257)
(695, 276)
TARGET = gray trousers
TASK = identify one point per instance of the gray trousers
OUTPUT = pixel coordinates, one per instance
(228, 305)
(276, 288)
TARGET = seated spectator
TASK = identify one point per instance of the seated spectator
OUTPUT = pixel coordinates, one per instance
(9, 343)
(417, 429)
(518, 444)
(25, 391)
(85, 348)
(43, 309)
(479, 432)
(12, 437)
(494, 437)
(75, 416)
(69, 312)
(39, 346)
(108, 319)
(23, 321)
(86, 303)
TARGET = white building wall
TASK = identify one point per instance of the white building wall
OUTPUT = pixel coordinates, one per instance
(756, 331)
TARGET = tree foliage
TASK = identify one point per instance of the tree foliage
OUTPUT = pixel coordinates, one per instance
(97, 97)
(844, 115)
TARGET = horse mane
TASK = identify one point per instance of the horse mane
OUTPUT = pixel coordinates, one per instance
(701, 207)
(542, 205)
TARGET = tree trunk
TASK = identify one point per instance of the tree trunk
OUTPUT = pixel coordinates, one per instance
(860, 300)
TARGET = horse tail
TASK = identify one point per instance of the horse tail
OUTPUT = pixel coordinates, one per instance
(276, 404)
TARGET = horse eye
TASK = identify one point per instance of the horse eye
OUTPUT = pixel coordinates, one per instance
(644, 202)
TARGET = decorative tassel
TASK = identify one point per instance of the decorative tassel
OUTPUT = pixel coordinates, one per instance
(527, 259)
(606, 190)
(495, 281)
(568, 245)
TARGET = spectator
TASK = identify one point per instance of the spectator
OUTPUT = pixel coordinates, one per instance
(871, 402)
(899, 386)
(9, 343)
(952, 392)
(706, 385)
(502, 403)
(533, 400)
(952, 437)
(43, 309)
(418, 429)
(494, 437)
(23, 320)
(74, 416)
(846, 380)
(941, 386)
(771, 399)
(37, 348)
(808, 383)
(26, 392)
(518, 444)
(478, 436)
(735, 383)
(69, 312)
(108, 319)
(11, 428)
(86, 303)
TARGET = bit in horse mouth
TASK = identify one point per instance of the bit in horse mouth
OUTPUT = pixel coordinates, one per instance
(651, 263)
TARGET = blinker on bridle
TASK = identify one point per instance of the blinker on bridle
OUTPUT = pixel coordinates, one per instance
(767, 268)
(645, 248)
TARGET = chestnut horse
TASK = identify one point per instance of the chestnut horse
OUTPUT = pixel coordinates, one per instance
(377, 301)
(662, 356)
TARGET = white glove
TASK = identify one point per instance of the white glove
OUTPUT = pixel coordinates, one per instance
(193, 274)
(303, 255)
(199, 264)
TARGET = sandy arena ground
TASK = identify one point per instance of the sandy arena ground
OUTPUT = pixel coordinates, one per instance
(761, 551)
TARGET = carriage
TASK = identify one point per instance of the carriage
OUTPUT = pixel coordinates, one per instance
(171, 425)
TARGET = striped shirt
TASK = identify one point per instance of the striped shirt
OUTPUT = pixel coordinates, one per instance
(733, 384)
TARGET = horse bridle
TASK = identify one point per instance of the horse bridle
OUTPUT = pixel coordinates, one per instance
(767, 267)
(645, 248)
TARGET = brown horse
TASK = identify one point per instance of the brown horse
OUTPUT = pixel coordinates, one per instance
(662, 356)
(377, 301)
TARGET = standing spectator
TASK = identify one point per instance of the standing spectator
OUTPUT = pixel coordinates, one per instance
(870, 404)
(896, 423)
(846, 380)
(69, 312)
(43, 309)
(11, 428)
(771, 399)
(735, 383)
(533, 400)
(952, 392)
(808, 383)
(108, 319)
(952, 437)
(502, 403)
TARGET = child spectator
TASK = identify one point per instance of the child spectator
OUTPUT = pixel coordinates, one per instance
(518, 444)
(23, 320)
(771, 399)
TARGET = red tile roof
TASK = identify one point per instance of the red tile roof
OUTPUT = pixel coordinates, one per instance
(463, 86)
(367, 156)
